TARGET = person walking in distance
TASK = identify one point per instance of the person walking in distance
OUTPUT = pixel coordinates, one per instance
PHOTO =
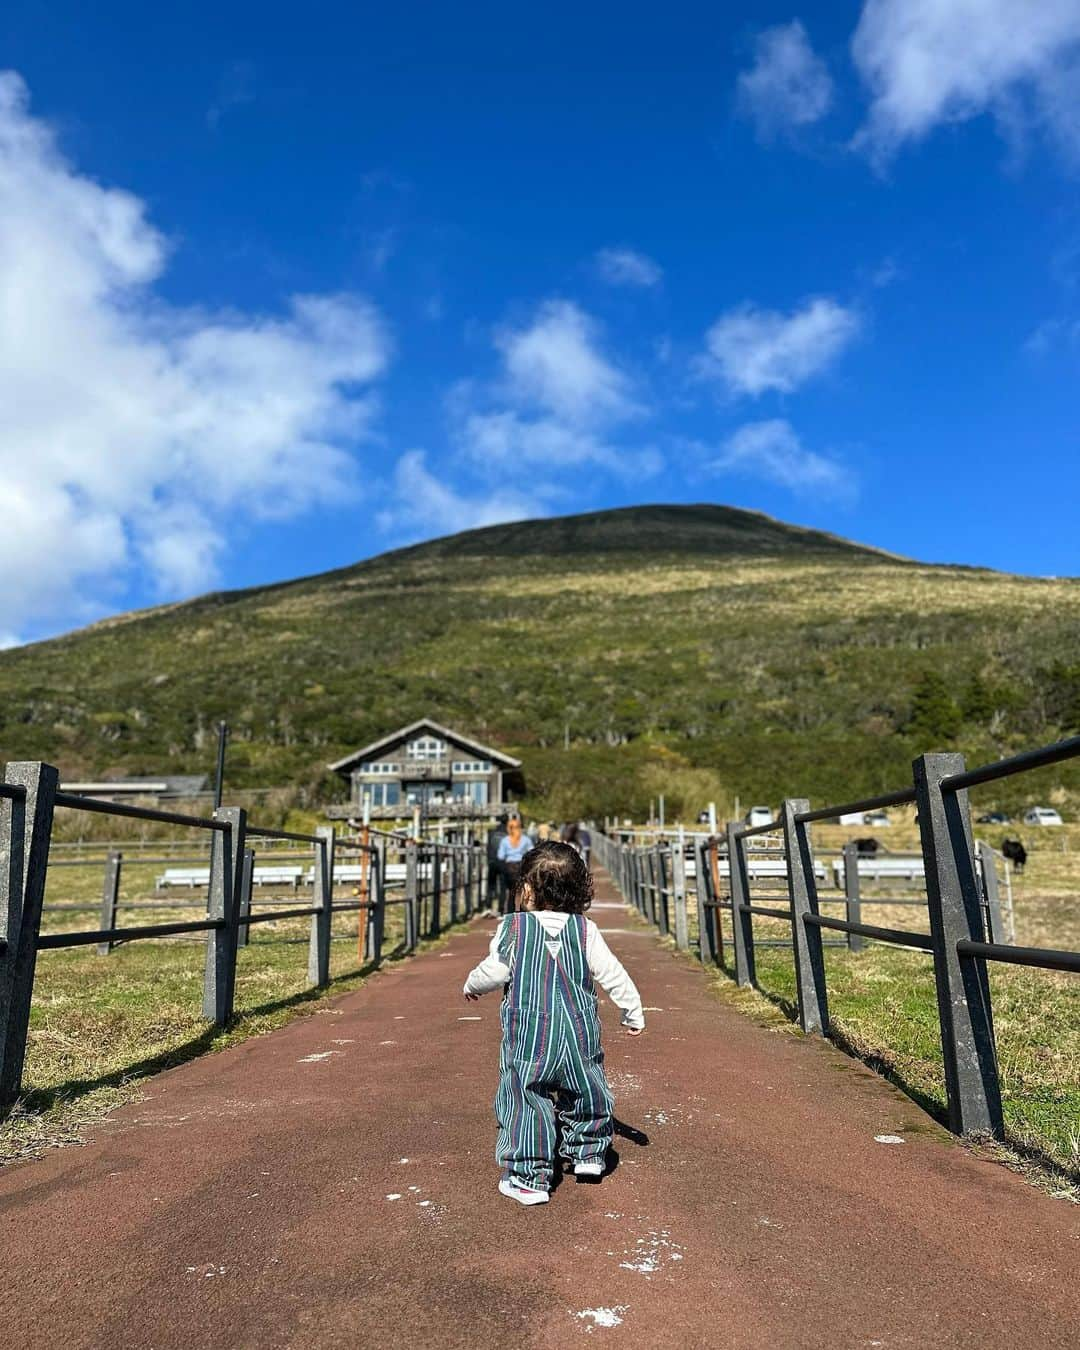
(495, 883)
(511, 851)
(549, 958)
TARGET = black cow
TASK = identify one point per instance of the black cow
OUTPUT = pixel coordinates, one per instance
(1015, 851)
(869, 845)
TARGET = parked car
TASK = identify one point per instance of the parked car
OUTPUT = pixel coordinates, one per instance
(878, 818)
(993, 818)
(759, 815)
(1041, 815)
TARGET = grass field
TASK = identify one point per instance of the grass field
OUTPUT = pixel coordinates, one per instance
(883, 1007)
(101, 1024)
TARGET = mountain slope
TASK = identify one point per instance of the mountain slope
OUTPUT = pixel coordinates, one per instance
(701, 646)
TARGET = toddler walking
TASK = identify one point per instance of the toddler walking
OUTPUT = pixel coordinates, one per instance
(549, 958)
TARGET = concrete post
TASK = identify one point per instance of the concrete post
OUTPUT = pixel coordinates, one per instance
(452, 862)
(110, 900)
(375, 914)
(742, 927)
(853, 895)
(223, 904)
(991, 893)
(322, 900)
(247, 881)
(954, 903)
(805, 937)
(412, 915)
(26, 823)
(706, 913)
(436, 890)
(663, 919)
(678, 888)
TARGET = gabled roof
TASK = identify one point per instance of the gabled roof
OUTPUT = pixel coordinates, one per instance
(424, 724)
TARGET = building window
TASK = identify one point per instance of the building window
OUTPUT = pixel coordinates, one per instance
(383, 794)
(376, 767)
(425, 748)
(471, 792)
(471, 766)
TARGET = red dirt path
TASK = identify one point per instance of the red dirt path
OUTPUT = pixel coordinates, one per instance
(247, 1200)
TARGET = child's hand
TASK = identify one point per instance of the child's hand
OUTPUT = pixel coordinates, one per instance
(471, 998)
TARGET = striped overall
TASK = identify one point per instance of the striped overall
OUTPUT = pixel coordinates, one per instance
(550, 1045)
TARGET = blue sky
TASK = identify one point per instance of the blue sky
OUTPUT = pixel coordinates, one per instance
(280, 290)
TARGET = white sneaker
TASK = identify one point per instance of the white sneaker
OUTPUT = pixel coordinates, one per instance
(589, 1169)
(524, 1195)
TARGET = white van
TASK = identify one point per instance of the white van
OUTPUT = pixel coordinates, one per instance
(759, 815)
(1041, 815)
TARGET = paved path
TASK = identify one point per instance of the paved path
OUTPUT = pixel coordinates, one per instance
(332, 1184)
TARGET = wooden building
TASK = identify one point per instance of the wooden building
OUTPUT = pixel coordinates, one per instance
(445, 773)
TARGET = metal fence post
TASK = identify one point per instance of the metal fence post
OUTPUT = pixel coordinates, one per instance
(663, 915)
(452, 860)
(678, 890)
(247, 881)
(110, 900)
(991, 894)
(963, 991)
(223, 905)
(322, 900)
(713, 855)
(706, 913)
(805, 937)
(742, 927)
(27, 828)
(412, 916)
(436, 889)
(380, 911)
(853, 895)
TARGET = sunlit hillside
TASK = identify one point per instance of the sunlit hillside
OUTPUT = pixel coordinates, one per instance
(701, 651)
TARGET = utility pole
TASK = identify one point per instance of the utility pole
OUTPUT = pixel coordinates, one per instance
(222, 737)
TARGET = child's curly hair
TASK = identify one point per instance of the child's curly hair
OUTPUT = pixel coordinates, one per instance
(557, 878)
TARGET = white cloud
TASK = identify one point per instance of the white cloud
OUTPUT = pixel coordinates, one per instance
(626, 267)
(926, 62)
(426, 504)
(752, 350)
(1052, 334)
(772, 449)
(556, 363)
(559, 400)
(135, 434)
(788, 86)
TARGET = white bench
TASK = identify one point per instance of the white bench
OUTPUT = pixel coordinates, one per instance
(277, 876)
(183, 876)
(759, 869)
(889, 867)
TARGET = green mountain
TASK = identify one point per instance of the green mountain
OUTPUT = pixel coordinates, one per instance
(697, 650)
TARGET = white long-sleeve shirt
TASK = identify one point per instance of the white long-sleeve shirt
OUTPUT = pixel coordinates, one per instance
(606, 969)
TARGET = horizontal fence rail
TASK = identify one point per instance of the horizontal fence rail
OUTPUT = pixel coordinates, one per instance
(962, 904)
(437, 884)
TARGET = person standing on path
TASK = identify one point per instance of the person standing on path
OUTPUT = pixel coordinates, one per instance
(495, 881)
(548, 957)
(512, 849)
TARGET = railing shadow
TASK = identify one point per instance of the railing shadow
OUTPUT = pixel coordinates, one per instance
(36, 1101)
(881, 1064)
